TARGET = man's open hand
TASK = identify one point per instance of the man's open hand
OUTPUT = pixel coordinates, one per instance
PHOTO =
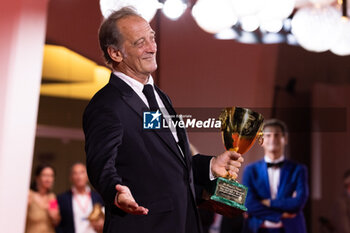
(126, 202)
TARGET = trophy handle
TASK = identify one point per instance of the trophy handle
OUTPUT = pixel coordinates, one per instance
(260, 137)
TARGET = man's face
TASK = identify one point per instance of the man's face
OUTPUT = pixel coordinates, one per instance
(79, 176)
(138, 47)
(274, 140)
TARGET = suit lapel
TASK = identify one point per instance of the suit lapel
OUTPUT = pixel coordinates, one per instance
(70, 207)
(285, 171)
(265, 177)
(136, 103)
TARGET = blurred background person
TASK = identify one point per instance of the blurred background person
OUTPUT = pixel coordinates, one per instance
(341, 214)
(77, 204)
(277, 187)
(43, 212)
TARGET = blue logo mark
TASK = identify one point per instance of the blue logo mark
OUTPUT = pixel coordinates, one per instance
(151, 120)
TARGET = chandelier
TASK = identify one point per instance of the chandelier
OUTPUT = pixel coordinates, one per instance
(315, 25)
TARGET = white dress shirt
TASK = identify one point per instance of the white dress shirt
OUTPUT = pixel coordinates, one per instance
(82, 207)
(274, 174)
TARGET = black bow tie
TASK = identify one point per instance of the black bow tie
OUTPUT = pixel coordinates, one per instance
(275, 165)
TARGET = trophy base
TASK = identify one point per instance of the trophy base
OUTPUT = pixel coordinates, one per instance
(225, 197)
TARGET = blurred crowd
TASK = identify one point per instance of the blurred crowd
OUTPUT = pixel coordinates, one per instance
(78, 210)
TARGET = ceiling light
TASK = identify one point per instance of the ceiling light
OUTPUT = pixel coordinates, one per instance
(173, 9)
(274, 25)
(315, 28)
(247, 7)
(227, 34)
(342, 46)
(214, 16)
(250, 23)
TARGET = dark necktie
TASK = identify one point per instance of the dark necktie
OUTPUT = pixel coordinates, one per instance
(151, 98)
(275, 165)
(153, 106)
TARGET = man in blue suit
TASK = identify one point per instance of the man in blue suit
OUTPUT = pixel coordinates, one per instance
(277, 187)
(145, 176)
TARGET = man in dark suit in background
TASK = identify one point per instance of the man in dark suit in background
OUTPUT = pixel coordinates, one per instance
(278, 188)
(77, 204)
(146, 177)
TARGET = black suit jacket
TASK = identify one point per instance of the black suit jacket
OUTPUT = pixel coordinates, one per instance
(65, 202)
(120, 151)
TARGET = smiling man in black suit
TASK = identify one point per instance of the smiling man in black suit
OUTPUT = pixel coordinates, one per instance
(146, 177)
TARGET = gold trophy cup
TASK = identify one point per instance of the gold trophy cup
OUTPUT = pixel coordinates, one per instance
(240, 128)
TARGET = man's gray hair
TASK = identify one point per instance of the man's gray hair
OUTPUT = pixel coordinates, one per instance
(109, 33)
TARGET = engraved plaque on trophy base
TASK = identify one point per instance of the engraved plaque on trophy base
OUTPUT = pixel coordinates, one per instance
(225, 197)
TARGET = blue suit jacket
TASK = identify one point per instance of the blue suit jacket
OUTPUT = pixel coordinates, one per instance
(293, 179)
(65, 202)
